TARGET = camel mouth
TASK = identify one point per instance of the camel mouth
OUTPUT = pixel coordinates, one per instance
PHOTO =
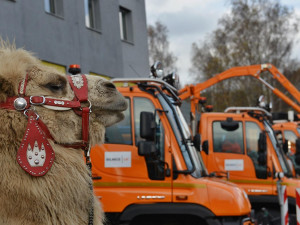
(121, 115)
(112, 113)
(113, 107)
(108, 118)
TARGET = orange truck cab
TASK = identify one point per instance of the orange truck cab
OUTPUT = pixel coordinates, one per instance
(148, 171)
(241, 144)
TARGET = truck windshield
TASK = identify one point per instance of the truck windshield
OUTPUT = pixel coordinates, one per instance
(278, 150)
(183, 136)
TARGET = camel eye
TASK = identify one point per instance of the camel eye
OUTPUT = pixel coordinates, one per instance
(55, 87)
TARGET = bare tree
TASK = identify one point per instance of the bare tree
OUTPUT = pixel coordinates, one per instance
(255, 32)
(159, 46)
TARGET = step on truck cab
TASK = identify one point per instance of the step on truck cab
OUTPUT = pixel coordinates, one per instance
(148, 171)
(242, 144)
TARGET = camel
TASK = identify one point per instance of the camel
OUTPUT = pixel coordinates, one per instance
(61, 195)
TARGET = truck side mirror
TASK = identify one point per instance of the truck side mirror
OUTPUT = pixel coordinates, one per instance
(147, 126)
(262, 159)
(262, 149)
(229, 124)
(146, 148)
(205, 146)
(297, 155)
(262, 142)
(197, 141)
(298, 145)
(285, 146)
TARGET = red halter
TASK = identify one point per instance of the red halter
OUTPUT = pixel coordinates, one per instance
(35, 154)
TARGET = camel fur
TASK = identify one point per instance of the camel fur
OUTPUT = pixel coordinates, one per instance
(62, 195)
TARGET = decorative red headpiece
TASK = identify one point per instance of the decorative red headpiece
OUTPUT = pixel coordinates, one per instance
(35, 154)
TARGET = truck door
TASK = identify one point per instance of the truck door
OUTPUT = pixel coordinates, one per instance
(126, 178)
(259, 160)
(155, 162)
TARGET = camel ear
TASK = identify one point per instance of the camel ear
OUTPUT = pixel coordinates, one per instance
(6, 89)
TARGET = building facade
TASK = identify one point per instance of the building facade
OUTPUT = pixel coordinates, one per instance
(105, 37)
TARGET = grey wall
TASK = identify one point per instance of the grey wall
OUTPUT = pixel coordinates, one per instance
(67, 40)
(131, 63)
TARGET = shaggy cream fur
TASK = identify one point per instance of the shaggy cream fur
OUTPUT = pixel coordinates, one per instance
(62, 195)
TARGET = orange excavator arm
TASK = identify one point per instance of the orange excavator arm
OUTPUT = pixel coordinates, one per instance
(194, 91)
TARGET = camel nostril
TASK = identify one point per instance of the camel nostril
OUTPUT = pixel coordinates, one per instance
(110, 85)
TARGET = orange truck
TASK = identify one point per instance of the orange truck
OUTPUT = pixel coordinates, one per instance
(148, 171)
(285, 129)
(256, 172)
(242, 144)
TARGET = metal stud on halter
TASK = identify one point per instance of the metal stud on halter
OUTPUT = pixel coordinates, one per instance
(20, 104)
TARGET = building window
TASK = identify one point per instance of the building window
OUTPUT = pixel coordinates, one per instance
(92, 14)
(126, 24)
(54, 7)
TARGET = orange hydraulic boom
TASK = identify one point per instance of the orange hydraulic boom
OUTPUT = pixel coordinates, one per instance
(194, 91)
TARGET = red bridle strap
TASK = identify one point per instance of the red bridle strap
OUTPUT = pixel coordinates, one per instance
(22, 85)
(41, 100)
(80, 87)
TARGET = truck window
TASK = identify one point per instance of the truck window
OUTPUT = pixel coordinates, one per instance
(155, 164)
(228, 141)
(140, 104)
(252, 136)
(120, 133)
(290, 136)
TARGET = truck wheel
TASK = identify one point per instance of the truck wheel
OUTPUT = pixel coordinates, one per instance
(168, 220)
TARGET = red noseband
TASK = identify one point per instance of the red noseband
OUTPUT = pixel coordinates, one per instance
(35, 155)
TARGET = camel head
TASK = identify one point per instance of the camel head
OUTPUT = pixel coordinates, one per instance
(105, 102)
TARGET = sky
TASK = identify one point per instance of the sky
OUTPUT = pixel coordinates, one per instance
(190, 21)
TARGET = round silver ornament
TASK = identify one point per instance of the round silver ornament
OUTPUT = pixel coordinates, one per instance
(20, 103)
